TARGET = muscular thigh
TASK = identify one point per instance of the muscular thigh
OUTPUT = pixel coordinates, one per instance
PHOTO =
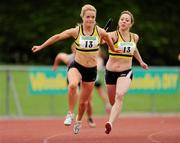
(74, 75)
(122, 85)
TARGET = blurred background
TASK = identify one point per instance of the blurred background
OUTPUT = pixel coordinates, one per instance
(24, 23)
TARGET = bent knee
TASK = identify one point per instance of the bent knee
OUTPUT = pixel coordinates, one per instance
(73, 85)
(83, 102)
(119, 96)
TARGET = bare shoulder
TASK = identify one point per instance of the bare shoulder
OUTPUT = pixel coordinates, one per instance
(101, 30)
(72, 32)
(136, 37)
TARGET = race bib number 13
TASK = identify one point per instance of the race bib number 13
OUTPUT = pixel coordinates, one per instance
(88, 41)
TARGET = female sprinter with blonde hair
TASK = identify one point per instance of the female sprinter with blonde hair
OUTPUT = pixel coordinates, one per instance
(84, 67)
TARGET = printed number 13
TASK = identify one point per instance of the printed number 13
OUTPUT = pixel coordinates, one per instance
(127, 49)
(88, 44)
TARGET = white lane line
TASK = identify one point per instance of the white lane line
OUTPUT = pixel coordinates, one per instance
(50, 137)
(151, 136)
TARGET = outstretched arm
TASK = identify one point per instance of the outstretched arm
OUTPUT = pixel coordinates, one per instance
(61, 36)
(107, 38)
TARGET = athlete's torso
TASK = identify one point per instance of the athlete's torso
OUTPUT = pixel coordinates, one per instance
(87, 43)
(87, 47)
(127, 47)
(121, 61)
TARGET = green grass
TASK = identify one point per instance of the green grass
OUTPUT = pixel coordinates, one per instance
(44, 105)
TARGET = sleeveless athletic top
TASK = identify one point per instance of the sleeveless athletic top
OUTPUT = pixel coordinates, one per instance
(128, 48)
(87, 44)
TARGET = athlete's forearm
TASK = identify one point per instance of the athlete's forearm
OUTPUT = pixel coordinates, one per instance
(138, 56)
(109, 42)
(58, 37)
(50, 41)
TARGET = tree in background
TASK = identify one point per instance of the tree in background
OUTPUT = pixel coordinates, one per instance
(25, 22)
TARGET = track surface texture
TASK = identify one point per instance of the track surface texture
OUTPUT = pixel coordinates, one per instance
(127, 129)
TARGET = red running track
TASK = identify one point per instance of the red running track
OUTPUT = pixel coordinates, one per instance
(158, 129)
